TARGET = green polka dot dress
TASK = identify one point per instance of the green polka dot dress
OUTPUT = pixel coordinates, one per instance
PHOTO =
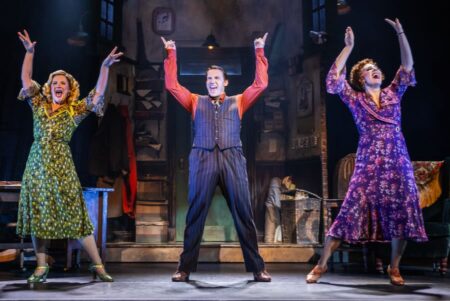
(51, 202)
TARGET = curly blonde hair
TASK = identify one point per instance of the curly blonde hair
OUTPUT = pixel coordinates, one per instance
(74, 87)
(356, 80)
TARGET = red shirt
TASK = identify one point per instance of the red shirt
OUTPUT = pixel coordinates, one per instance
(189, 100)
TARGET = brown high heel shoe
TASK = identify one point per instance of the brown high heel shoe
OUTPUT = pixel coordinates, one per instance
(315, 274)
(396, 278)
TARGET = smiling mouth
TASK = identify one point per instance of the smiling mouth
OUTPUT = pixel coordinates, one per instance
(58, 93)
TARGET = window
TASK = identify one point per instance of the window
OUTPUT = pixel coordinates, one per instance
(318, 15)
(107, 19)
(190, 68)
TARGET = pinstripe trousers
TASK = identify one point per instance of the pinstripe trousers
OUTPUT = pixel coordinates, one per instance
(226, 168)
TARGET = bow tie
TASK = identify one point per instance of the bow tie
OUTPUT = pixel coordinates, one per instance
(216, 103)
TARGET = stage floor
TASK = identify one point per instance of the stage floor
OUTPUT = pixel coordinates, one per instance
(144, 281)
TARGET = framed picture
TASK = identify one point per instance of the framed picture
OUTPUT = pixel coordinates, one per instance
(305, 98)
(163, 20)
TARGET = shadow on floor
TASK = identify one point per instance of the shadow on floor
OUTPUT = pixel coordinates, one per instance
(236, 285)
(53, 286)
(388, 289)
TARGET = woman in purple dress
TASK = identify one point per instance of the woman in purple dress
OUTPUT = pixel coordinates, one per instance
(382, 202)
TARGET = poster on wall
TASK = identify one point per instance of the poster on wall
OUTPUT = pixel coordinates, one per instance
(271, 145)
(305, 97)
(163, 20)
(305, 113)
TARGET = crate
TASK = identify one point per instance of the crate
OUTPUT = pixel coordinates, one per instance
(151, 211)
(151, 190)
(152, 232)
(214, 233)
(300, 220)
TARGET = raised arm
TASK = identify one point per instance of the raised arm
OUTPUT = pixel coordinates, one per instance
(349, 40)
(250, 95)
(335, 80)
(102, 81)
(405, 49)
(27, 66)
(181, 94)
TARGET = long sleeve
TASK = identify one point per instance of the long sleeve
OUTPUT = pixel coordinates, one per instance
(187, 99)
(250, 95)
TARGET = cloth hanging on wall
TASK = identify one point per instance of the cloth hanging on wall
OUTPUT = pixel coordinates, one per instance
(108, 152)
(130, 188)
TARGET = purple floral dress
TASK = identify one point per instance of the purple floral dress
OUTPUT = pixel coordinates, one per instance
(382, 201)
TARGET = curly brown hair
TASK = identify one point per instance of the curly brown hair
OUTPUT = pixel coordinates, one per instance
(356, 80)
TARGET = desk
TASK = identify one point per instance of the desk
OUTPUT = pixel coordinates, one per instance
(332, 207)
(96, 202)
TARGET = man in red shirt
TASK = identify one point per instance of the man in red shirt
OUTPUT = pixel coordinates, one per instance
(217, 158)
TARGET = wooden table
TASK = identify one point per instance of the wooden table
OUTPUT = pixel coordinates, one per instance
(96, 202)
(332, 207)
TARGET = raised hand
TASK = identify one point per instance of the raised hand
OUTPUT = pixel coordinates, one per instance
(168, 44)
(260, 42)
(396, 25)
(349, 38)
(405, 49)
(26, 41)
(112, 58)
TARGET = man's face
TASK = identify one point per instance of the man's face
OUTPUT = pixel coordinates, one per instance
(215, 82)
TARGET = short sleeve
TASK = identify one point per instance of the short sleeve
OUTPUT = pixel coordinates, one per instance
(337, 84)
(85, 106)
(32, 94)
(95, 108)
(402, 80)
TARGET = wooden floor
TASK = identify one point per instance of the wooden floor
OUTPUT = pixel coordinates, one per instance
(147, 281)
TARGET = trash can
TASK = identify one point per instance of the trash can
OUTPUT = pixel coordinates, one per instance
(300, 220)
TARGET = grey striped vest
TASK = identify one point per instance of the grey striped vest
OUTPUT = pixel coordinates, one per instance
(216, 125)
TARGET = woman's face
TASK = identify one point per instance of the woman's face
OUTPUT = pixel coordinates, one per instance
(371, 76)
(60, 88)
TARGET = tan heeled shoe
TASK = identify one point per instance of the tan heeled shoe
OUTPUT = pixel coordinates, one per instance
(396, 278)
(315, 274)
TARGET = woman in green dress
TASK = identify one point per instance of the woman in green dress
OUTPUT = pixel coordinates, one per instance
(51, 200)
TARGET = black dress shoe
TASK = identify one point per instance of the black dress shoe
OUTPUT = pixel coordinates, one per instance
(262, 276)
(180, 276)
